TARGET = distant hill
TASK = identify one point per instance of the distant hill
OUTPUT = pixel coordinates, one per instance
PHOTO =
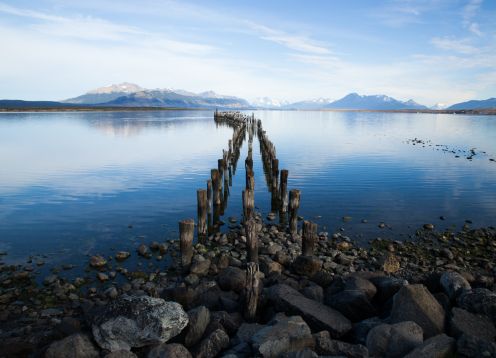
(475, 104)
(105, 94)
(374, 102)
(17, 103)
(318, 103)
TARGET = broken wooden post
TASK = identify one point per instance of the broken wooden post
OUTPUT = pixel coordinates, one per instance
(283, 194)
(275, 174)
(201, 196)
(250, 179)
(215, 186)
(248, 204)
(252, 293)
(309, 236)
(251, 240)
(294, 204)
(209, 196)
(186, 234)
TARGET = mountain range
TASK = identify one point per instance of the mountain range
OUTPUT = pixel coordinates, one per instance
(131, 95)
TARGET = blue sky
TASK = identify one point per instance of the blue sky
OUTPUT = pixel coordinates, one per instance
(437, 51)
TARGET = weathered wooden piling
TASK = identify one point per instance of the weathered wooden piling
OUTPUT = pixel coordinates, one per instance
(186, 235)
(309, 237)
(283, 191)
(250, 179)
(251, 240)
(294, 204)
(216, 186)
(275, 174)
(252, 291)
(202, 202)
(248, 204)
(209, 196)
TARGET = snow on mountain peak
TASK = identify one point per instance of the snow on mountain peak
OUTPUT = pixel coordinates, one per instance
(125, 87)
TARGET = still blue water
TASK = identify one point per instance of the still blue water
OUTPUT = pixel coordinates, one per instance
(71, 184)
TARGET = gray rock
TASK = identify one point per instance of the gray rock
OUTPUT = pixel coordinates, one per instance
(387, 287)
(282, 335)
(453, 284)
(200, 266)
(324, 345)
(394, 340)
(212, 345)
(440, 346)
(121, 354)
(479, 300)
(246, 331)
(354, 304)
(317, 315)
(174, 350)
(144, 251)
(77, 345)
(362, 329)
(314, 292)
(305, 353)
(361, 284)
(199, 318)
(471, 324)
(137, 321)
(232, 279)
(470, 346)
(307, 265)
(415, 303)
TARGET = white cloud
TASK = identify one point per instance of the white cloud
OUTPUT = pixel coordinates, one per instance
(469, 12)
(451, 44)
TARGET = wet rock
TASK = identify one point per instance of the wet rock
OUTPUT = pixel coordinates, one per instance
(102, 277)
(232, 279)
(230, 321)
(453, 284)
(137, 321)
(415, 303)
(353, 304)
(314, 292)
(470, 346)
(387, 287)
(269, 267)
(192, 279)
(77, 345)
(391, 263)
(479, 300)
(362, 329)
(173, 350)
(304, 353)
(464, 322)
(394, 340)
(439, 346)
(307, 265)
(121, 354)
(429, 227)
(324, 345)
(212, 345)
(200, 266)
(317, 315)
(122, 255)
(144, 251)
(282, 335)
(50, 279)
(97, 261)
(199, 318)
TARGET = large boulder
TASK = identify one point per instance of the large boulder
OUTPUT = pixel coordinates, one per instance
(453, 284)
(479, 300)
(213, 344)
(471, 324)
(200, 266)
(76, 345)
(354, 304)
(137, 321)
(387, 287)
(415, 303)
(440, 346)
(394, 340)
(317, 315)
(282, 335)
(470, 346)
(174, 350)
(232, 279)
(325, 345)
(121, 354)
(199, 318)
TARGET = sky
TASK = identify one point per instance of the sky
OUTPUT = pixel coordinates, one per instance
(432, 51)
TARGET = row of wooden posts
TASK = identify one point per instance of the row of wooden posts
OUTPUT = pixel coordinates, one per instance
(215, 198)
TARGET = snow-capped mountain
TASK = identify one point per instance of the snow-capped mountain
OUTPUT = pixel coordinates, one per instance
(374, 102)
(317, 103)
(439, 106)
(105, 94)
(124, 87)
(267, 102)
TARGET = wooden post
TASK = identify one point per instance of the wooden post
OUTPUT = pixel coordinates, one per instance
(209, 196)
(251, 240)
(294, 204)
(275, 174)
(250, 179)
(215, 186)
(201, 196)
(309, 236)
(186, 234)
(283, 195)
(252, 293)
(248, 204)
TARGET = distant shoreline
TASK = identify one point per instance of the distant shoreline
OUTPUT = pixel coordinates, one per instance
(491, 111)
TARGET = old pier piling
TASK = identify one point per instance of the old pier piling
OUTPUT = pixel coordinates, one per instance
(186, 235)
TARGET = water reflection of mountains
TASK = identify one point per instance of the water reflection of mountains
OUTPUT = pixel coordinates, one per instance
(131, 124)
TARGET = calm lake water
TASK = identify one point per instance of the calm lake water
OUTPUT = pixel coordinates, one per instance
(72, 183)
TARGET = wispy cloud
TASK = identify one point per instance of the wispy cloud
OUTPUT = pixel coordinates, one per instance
(469, 12)
(451, 44)
(294, 42)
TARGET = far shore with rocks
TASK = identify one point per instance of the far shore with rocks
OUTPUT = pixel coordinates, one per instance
(432, 297)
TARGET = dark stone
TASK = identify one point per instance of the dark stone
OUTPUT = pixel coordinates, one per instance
(232, 279)
(121, 354)
(173, 350)
(212, 345)
(316, 314)
(314, 292)
(440, 346)
(362, 329)
(199, 318)
(76, 345)
(324, 345)
(387, 287)
(415, 303)
(453, 284)
(479, 300)
(230, 321)
(394, 340)
(464, 322)
(307, 265)
(354, 304)
(470, 346)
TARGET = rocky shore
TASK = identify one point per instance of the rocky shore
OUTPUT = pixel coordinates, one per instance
(431, 297)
